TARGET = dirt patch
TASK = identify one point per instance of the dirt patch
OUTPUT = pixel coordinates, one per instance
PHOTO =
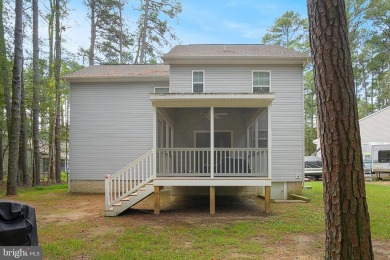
(297, 246)
(382, 182)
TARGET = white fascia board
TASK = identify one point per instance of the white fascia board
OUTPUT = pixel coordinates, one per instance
(231, 182)
(210, 99)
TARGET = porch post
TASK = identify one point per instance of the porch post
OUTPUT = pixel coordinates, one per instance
(212, 200)
(156, 200)
(154, 142)
(212, 142)
(267, 200)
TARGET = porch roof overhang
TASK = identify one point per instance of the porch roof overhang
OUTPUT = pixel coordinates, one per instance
(212, 99)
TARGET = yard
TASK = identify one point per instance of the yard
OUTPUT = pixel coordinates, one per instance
(72, 226)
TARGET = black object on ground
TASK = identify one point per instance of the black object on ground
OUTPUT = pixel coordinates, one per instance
(18, 226)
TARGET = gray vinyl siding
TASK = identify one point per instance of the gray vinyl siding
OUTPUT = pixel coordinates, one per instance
(111, 126)
(287, 123)
(286, 112)
(216, 79)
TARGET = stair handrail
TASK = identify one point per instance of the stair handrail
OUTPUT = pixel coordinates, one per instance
(129, 179)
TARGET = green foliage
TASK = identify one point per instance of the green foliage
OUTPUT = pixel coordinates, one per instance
(290, 31)
(113, 39)
(153, 31)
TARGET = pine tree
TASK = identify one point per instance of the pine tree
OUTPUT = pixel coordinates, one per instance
(35, 101)
(347, 223)
(14, 129)
(154, 33)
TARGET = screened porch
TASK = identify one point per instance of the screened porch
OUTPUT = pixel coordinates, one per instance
(212, 142)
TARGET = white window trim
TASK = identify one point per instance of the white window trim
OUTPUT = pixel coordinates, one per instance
(169, 90)
(204, 80)
(270, 79)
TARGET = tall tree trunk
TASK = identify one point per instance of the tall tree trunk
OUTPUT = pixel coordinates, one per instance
(142, 57)
(14, 129)
(121, 33)
(51, 173)
(51, 38)
(91, 54)
(4, 70)
(347, 221)
(23, 159)
(51, 109)
(57, 71)
(35, 107)
(4, 86)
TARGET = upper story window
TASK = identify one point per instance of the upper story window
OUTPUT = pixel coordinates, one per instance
(198, 81)
(261, 81)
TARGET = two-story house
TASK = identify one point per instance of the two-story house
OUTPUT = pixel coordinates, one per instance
(215, 118)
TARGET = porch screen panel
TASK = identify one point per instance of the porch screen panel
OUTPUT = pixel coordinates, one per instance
(262, 131)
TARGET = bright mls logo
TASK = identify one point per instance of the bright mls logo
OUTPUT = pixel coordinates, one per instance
(11, 252)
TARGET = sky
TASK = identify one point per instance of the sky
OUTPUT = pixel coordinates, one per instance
(201, 21)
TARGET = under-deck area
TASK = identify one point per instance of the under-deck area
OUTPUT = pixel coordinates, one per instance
(212, 184)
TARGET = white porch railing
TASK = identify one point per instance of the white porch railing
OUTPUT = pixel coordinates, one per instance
(229, 162)
(128, 180)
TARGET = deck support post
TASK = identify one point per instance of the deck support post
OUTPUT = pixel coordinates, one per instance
(267, 200)
(156, 200)
(212, 200)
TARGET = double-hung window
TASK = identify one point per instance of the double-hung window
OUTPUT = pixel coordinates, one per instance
(197, 81)
(261, 81)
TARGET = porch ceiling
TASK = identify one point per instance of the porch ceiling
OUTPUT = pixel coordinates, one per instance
(211, 99)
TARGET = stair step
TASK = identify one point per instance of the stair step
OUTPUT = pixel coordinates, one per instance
(118, 204)
(125, 199)
(142, 189)
(134, 194)
(149, 183)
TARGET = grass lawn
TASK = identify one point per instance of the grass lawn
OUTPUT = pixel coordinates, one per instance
(72, 226)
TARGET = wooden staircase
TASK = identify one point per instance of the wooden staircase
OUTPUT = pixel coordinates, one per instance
(131, 200)
(130, 185)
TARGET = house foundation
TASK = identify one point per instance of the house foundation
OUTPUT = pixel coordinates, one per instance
(86, 186)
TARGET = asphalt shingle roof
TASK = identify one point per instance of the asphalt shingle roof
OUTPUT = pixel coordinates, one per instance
(232, 50)
(110, 71)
